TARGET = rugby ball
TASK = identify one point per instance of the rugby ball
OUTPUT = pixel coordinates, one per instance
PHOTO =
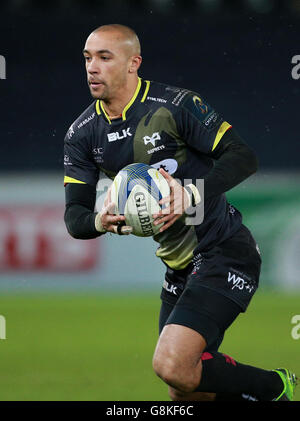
(136, 191)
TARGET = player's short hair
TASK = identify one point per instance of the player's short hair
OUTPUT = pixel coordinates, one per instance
(124, 29)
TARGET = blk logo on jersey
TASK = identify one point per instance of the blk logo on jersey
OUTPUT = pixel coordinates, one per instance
(112, 137)
(170, 288)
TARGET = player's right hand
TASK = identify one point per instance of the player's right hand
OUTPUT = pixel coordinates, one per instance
(107, 220)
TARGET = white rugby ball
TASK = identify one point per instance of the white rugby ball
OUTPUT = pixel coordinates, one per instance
(136, 191)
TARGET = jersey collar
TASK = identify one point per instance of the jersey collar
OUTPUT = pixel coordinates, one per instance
(139, 95)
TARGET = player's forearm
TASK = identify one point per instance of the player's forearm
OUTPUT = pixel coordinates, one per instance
(229, 171)
(79, 213)
(235, 162)
(80, 222)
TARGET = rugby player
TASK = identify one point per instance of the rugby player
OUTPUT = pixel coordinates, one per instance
(136, 120)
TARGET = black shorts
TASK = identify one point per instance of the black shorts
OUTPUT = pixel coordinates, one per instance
(209, 293)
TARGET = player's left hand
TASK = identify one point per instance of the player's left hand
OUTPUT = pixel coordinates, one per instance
(177, 201)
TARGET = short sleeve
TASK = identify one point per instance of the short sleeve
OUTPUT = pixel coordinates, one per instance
(199, 125)
(78, 164)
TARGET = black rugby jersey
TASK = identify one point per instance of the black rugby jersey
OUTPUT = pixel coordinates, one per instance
(163, 126)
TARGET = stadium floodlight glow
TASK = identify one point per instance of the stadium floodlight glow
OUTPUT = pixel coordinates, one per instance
(261, 6)
(2, 67)
(210, 6)
(162, 5)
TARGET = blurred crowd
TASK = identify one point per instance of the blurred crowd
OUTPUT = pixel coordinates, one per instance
(160, 6)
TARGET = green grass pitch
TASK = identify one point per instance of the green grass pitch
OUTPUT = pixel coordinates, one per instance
(99, 347)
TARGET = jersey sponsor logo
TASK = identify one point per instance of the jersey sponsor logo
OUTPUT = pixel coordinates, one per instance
(98, 153)
(238, 282)
(151, 98)
(86, 120)
(211, 118)
(201, 110)
(112, 137)
(156, 149)
(70, 132)
(197, 262)
(169, 287)
(169, 165)
(179, 97)
(152, 139)
(231, 210)
(67, 160)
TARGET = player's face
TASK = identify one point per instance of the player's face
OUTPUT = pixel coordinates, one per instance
(107, 64)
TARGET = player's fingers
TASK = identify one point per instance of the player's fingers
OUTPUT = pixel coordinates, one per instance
(161, 214)
(165, 200)
(126, 230)
(165, 174)
(164, 210)
(122, 229)
(170, 180)
(164, 217)
(114, 219)
(110, 208)
(108, 197)
(168, 224)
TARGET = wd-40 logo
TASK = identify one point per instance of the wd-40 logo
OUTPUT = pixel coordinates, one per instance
(238, 282)
(152, 139)
(169, 287)
(112, 137)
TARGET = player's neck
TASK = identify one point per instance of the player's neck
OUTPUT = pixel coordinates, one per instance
(114, 107)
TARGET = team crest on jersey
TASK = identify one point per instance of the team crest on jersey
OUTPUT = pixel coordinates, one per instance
(152, 139)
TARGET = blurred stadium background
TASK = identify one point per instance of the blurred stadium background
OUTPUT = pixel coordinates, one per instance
(81, 316)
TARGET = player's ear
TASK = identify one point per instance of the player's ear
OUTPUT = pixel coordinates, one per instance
(135, 62)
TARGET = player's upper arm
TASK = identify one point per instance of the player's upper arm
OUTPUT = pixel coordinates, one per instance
(199, 125)
(78, 162)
